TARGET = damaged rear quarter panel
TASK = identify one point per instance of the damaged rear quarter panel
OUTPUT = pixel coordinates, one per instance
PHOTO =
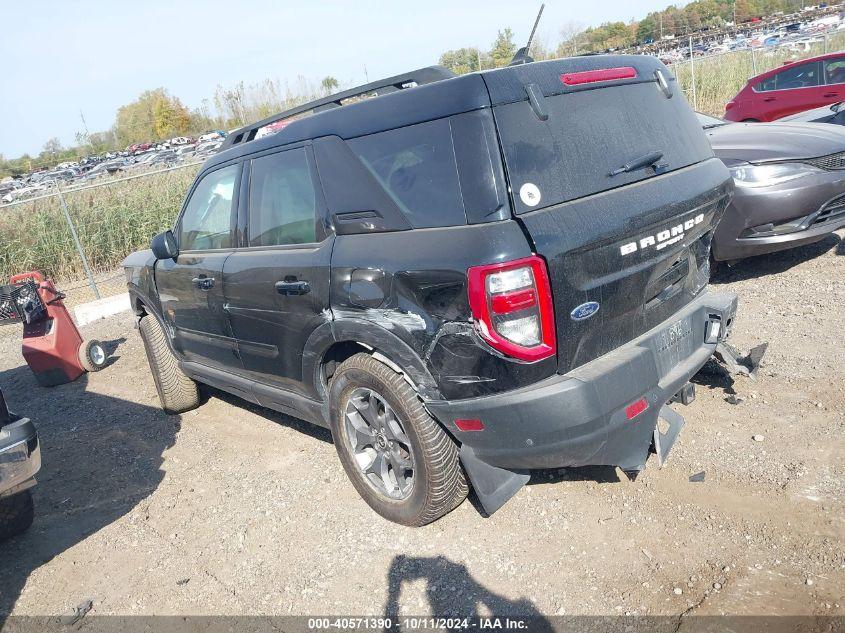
(414, 284)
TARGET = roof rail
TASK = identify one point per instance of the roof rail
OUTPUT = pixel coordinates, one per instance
(418, 77)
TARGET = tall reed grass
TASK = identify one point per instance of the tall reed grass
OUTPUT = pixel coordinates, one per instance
(718, 78)
(111, 222)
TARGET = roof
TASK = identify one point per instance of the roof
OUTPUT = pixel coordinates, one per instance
(398, 108)
(440, 95)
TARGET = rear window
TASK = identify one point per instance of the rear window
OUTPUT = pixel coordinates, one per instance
(591, 133)
(416, 166)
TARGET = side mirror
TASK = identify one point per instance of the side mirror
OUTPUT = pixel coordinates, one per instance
(164, 246)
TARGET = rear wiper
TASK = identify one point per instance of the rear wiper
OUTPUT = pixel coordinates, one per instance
(640, 163)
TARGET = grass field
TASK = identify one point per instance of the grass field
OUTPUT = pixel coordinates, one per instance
(111, 222)
(720, 77)
(114, 220)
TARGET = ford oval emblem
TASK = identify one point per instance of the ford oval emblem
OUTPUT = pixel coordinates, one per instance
(584, 311)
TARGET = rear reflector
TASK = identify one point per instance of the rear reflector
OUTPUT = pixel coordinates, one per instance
(470, 425)
(593, 76)
(635, 408)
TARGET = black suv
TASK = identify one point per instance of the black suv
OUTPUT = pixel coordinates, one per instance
(464, 278)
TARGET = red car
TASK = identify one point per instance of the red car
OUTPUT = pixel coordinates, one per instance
(794, 87)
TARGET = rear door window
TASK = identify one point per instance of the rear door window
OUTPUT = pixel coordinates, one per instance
(801, 76)
(282, 200)
(416, 165)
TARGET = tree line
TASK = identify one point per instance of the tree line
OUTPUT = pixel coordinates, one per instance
(156, 115)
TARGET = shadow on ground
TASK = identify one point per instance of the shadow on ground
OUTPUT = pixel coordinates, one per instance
(775, 263)
(101, 457)
(306, 428)
(453, 593)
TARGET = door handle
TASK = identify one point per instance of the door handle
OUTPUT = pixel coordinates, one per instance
(203, 283)
(831, 94)
(293, 287)
(767, 99)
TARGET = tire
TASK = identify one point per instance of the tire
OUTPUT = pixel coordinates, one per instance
(92, 355)
(176, 391)
(438, 483)
(16, 514)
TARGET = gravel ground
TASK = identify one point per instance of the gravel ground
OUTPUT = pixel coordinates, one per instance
(232, 509)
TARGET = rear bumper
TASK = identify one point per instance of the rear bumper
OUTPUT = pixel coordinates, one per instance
(20, 456)
(579, 418)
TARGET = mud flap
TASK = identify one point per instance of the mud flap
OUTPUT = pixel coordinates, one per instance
(663, 442)
(493, 486)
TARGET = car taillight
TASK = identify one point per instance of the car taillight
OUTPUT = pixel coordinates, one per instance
(512, 308)
(729, 105)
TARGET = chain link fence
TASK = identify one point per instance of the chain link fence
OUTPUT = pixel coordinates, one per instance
(78, 236)
(710, 81)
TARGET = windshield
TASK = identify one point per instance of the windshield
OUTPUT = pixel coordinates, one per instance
(709, 121)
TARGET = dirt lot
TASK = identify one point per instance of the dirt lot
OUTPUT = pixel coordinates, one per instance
(232, 509)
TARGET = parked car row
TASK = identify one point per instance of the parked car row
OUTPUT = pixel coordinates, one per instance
(136, 157)
(795, 30)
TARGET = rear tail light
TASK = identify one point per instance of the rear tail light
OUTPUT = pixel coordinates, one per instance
(729, 105)
(512, 307)
(593, 76)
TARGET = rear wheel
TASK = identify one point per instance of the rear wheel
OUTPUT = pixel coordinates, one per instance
(176, 390)
(403, 464)
(16, 514)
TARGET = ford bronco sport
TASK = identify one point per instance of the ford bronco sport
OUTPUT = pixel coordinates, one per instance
(464, 278)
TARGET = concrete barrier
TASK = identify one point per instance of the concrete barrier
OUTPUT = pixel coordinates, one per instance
(101, 308)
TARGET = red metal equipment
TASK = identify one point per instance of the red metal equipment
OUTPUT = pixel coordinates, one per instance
(52, 345)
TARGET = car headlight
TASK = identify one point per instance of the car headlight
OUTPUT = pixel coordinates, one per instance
(768, 175)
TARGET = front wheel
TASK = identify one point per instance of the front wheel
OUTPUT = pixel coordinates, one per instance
(400, 460)
(177, 391)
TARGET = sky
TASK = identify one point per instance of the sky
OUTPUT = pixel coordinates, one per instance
(66, 57)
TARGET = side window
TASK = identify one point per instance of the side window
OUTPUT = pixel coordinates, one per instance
(766, 85)
(207, 221)
(416, 166)
(803, 76)
(282, 200)
(834, 71)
